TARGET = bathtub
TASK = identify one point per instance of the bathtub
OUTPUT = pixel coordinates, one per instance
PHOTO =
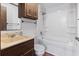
(59, 46)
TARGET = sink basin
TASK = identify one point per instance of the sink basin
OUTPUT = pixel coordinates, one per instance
(8, 39)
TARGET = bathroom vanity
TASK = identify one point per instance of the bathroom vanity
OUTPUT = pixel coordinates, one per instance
(13, 45)
(17, 47)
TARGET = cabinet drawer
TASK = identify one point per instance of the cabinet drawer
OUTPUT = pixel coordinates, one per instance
(19, 49)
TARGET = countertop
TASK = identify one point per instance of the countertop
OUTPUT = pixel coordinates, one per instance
(6, 44)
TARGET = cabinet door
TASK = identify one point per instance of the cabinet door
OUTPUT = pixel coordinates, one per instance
(3, 18)
(32, 10)
(19, 49)
(35, 11)
(29, 9)
(0, 17)
(29, 53)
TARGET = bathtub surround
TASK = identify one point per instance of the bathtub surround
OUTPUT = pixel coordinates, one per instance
(60, 28)
(77, 36)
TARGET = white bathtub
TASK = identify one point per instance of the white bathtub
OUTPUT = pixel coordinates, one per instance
(59, 46)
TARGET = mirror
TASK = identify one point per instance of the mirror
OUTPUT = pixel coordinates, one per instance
(12, 20)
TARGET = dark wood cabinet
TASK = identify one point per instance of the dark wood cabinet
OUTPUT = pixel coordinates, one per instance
(28, 10)
(22, 49)
(2, 17)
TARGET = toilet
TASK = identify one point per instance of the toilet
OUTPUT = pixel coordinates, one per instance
(39, 49)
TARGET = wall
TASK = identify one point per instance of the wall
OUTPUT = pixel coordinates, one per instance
(28, 28)
(78, 20)
(61, 30)
(76, 41)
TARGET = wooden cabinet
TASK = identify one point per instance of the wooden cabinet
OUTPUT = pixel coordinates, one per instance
(28, 10)
(22, 49)
(2, 18)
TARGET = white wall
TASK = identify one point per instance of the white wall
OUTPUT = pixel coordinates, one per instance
(61, 30)
(28, 28)
(76, 41)
(78, 20)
